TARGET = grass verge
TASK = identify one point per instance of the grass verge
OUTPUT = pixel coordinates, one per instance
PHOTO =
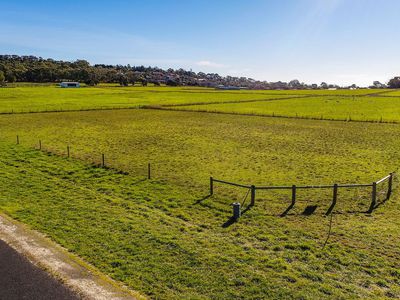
(159, 239)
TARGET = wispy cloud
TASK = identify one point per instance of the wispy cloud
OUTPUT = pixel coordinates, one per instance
(207, 63)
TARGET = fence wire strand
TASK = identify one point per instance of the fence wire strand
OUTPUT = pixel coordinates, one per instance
(245, 197)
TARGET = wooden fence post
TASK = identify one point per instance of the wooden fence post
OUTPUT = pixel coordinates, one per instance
(373, 198)
(17, 140)
(293, 195)
(390, 185)
(40, 145)
(253, 195)
(335, 191)
(211, 186)
(148, 171)
(103, 164)
(68, 151)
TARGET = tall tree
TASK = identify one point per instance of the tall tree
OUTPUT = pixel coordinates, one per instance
(394, 83)
(11, 77)
(2, 78)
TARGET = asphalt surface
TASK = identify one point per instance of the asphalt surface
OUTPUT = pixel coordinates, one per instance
(20, 279)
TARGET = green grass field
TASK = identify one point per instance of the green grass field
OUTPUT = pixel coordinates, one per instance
(375, 109)
(393, 93)
(358, 105)
(163, 242)
(39, 99)
(188, 147)
(165, 237)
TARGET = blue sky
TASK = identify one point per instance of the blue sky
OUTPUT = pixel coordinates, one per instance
(337, 41)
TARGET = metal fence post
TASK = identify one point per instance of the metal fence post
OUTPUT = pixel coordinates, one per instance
(373, 198)
(236, 211)
(253, 195)
(211, 186)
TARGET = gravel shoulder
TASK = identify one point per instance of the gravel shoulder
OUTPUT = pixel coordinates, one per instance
(20, 279)
(33, 250)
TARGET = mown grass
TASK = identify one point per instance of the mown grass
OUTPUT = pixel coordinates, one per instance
(45, 98)
(188, 147)
(393, 93)
(375, 109)
(38, 98)
(164, 242)
(165, 237)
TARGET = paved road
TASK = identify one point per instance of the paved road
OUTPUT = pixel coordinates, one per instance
(20, 279)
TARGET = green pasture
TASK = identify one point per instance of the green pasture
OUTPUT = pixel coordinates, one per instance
(370, 108)
(40, 99)
(187, 148)
(393, 93)
(360, 105)
(167, 237)
(170, 243)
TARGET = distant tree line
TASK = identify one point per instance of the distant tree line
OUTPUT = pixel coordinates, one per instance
(394, 83)
(14, 68)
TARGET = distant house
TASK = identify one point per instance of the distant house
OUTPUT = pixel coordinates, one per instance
(223, 87)
(70, 84)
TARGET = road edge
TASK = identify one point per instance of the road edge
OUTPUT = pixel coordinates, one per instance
(72, 271)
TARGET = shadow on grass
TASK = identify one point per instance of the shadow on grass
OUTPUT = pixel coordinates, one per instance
(198, 201)
(287, 210)
(232, 220)
(375, 207)
(382, 202)
(309, 210)
(229, 222)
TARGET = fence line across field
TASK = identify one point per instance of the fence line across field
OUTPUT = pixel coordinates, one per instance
(68, 155)
(298, 186)
(252, 188)
(294, 188)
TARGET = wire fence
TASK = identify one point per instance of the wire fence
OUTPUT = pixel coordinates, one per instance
(379, 191)
(102, 160)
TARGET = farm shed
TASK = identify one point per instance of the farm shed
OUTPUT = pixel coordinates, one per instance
(69, 84)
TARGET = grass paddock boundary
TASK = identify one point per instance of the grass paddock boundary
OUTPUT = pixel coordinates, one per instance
(252, 188)
(273, 115)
